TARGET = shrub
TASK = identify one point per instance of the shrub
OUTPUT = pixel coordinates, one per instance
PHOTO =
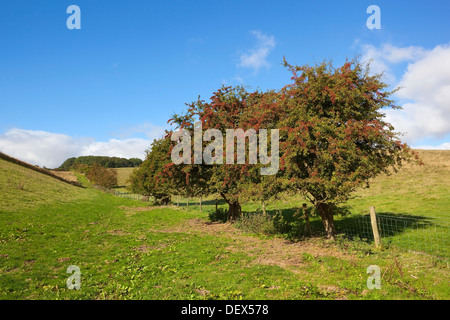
(257, 223)
(220, 215)
(106, 178)
(161, 200)
(81, 168)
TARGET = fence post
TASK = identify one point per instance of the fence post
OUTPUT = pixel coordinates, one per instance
(373, 220)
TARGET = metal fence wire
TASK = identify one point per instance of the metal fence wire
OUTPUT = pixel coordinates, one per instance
(419, 234)
(133, 196)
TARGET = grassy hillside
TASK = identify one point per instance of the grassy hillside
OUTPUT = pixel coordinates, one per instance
(47, 172)
(416, 190)
(122, 176)
(22, 188)
(129, 250)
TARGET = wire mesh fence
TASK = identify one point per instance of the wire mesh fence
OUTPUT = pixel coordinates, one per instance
(134, 196)
(414, 233)
(419, 234)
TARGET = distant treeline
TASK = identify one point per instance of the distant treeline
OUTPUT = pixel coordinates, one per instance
(106, 162)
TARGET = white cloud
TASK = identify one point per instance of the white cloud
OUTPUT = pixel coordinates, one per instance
(443, 146)
(39, 147)
(257, 57)
(425, 92)
(127, 148)
(426, 83)
(52, 149)
(381, 59)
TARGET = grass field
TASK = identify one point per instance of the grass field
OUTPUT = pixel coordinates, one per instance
(127, 249)
(123, 175)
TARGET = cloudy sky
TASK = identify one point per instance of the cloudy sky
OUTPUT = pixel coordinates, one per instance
(110, 87)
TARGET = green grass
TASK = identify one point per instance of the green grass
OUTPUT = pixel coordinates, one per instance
(128, 250)
(22, 188)
(132, 254)
(122, 176)
(414, 190)
(418, 193)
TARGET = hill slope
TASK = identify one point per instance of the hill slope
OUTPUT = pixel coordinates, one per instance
(415, 190)
(22, 187)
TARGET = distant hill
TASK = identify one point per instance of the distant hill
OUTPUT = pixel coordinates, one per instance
(107, 162)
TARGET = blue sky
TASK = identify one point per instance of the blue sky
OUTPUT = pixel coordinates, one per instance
(110, 87)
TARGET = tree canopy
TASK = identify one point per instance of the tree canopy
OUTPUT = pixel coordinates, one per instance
(146, 178)
(104, 161)
(333, 138)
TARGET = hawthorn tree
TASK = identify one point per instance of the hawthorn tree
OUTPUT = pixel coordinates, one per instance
(228, 108)
(146, 178)
(106, 178)
(334, 136)
(263, 189)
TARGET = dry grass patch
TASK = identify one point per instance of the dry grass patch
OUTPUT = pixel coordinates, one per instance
(66, 175)
(273, 251)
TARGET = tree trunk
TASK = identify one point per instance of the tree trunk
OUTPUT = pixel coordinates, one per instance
(201, 198)
(165, 200)
(187, 203)
(264, 208)
(234, 209)
(327, 219)
(178, 200)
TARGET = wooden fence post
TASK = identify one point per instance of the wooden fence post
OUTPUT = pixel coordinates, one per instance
(373, 220)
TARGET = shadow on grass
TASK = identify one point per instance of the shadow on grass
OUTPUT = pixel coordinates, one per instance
(210, 204)
(353, 226)
(389, 225)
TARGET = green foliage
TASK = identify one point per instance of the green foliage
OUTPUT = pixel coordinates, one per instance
(285, 226)
(333, 137)
(257, 223)
(221, 214)
(147, 178)
(107, 162)
(334, 134)
(81, 168)
(103, 177)
(228, 108)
